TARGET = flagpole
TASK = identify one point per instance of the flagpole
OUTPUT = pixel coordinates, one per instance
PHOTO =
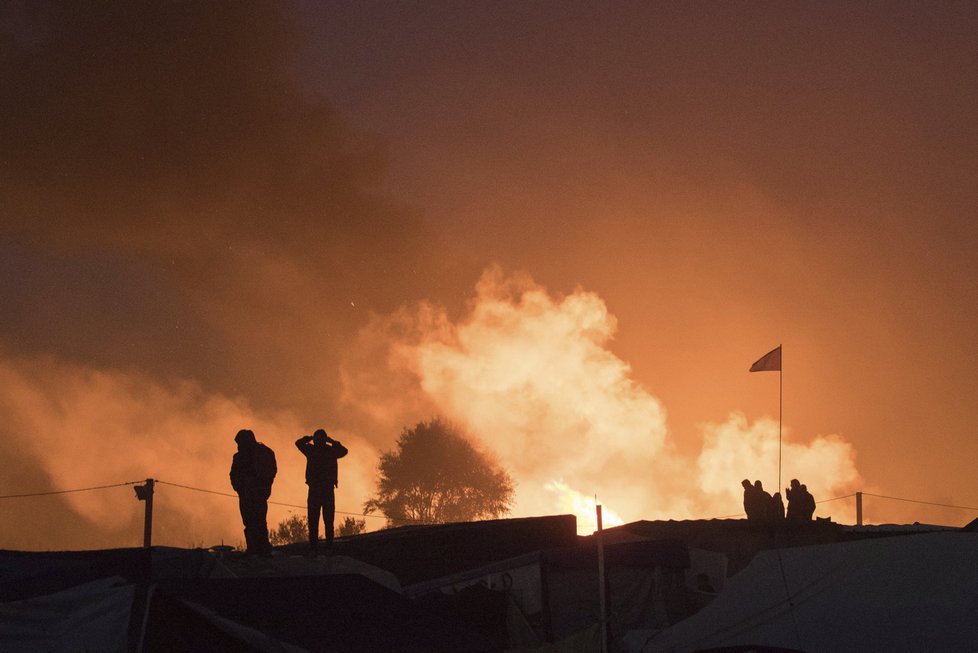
(780, 410)
(771, 362)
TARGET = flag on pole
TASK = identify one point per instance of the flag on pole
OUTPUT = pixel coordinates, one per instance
(769, 362)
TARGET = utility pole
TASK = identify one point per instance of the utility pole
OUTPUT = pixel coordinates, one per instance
(145, 493)
(603, 599)
(859, 508)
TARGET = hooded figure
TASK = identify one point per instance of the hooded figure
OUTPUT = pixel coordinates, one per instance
(253, 470)
(765, 502)
(750, 500)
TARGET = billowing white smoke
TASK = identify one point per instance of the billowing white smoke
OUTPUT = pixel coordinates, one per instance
(825, 464)
(531, 377)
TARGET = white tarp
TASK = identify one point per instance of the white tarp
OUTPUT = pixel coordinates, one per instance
(903, 593)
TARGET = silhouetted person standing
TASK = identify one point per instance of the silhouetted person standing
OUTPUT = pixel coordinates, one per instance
(807, 503)
(777, 507)
(793, 494)
(321, 452)
(750, 500)
(253, 470)
(765, 502)
(801, 504)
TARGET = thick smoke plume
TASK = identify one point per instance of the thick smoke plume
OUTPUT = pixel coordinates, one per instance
(191, 242)
(531, 375)
(175, 200)
(189, 239)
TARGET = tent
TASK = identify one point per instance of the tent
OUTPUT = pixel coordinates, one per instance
(906, 593)
(110, 614)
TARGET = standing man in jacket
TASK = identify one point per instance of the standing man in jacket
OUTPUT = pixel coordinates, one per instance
(321, 452)
(253, 469)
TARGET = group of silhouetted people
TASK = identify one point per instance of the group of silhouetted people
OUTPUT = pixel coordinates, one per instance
(253, 470)
(761, 506)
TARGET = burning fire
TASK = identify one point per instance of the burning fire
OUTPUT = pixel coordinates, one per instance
(531, 376)
(583, 507)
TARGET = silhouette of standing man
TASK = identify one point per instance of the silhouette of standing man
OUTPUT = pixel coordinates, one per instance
(253, 470)
(321, 452)
(765, 502)
(750, 500)
(801, 503)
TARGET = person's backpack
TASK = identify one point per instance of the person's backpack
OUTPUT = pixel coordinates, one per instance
(265, 467)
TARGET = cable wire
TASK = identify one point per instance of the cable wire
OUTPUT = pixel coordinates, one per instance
(277, 503)
(357, 514)
(926, 503)
(196, 489)
(837, 498)
(81, 489)
(741, 514)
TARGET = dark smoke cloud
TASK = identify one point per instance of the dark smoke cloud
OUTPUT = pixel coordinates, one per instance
(165, 161)
(176, 208)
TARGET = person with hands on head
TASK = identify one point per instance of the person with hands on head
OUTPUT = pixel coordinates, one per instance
(321, 452)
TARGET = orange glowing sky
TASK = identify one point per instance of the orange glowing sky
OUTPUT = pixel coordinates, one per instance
(569, 228)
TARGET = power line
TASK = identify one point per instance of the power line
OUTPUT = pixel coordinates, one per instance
(837, 498)
(277, 503)
(926, 503)
(195, 489)
(879, 496)
(357, 514)
(81, 489)
(740, 514)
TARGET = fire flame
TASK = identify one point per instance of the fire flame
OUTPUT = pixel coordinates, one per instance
(571, 501)
(531, 376)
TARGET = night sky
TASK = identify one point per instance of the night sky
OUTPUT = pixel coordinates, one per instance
(568, 227)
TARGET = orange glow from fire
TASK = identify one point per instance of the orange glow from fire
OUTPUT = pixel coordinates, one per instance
(571, 501)
(531, 376)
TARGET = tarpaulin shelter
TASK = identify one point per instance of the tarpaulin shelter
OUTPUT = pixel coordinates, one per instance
(901, 593)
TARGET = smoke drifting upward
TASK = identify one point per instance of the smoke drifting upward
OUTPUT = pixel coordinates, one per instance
(826, 464)
(174, 200)
(532, 377)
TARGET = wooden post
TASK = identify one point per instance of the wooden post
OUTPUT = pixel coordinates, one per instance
(148, 521)
(145, 493)
(603, 599)
(859, 508)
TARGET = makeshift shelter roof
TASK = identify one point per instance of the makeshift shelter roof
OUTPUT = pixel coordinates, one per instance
(112, 615)
(417, 553)
(739, 539)
(25, 574)
(906, 593)
(340, 612)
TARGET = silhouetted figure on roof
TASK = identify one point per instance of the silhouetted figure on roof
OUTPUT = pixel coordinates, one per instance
(321, 452)
(253, 470)
(801, 503)
(777, 507)
(793, 494)
(756, 501)
(807, 503)
(750, 503)
(765, 503)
